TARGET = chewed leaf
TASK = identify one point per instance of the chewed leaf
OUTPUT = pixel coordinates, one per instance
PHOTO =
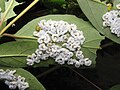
(6, 11)
(94, 12)
(10, 12)
(92, 37)
(34, 84)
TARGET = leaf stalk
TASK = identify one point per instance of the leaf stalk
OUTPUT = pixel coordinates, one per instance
(18, 37)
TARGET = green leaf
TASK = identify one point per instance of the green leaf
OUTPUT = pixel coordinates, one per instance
(7, 11)
(34, 84)
(115, 3)
(3, 25)
(94, 12)
(2, 5)
(10, 12)
(14, 54)
(2, 9)
(93, 38)
(48, 3)
(116, 87)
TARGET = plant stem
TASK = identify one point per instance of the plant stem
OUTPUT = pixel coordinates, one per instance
(6, 12)
(85, 78)
(108, 44)
(18, 37)
(14, 55)
(21, 14)
(48, 71)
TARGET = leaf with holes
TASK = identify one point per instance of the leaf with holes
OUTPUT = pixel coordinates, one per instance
(94, 12)
(7, 11)
(9, 6)
(93, 38)
(34, 84)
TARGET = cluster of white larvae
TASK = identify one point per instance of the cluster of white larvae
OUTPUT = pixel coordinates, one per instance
(12, 80)
(112, 20)
(60, 41)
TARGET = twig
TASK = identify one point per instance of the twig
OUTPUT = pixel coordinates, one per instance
(85, 78)
(108, 44)
(48, 71)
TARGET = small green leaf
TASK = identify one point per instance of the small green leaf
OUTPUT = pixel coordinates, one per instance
(116, 87)
(10, 13)
(34, 84)
(94, 12)
(93, 38)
